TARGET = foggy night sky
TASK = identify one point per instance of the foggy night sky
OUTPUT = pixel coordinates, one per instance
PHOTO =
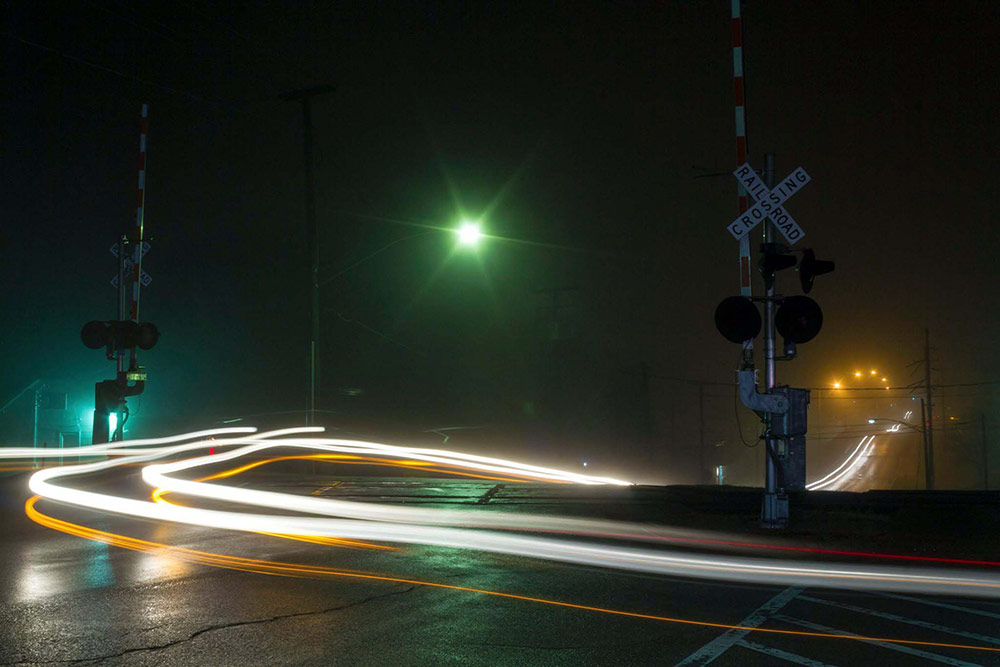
(579, 127)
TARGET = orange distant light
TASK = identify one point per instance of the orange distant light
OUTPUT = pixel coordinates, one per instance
(873, 371)
(857, 374)
(836, 385)
(883, 379)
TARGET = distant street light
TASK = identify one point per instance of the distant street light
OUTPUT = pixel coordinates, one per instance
(872, 420)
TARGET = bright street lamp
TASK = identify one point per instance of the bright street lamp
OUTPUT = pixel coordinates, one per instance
(469, 234)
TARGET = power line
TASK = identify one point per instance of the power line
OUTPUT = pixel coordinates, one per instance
(114, 72)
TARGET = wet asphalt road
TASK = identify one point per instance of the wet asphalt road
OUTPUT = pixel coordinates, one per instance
(64, 599)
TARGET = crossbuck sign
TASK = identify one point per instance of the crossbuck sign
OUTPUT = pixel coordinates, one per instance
(769, 203)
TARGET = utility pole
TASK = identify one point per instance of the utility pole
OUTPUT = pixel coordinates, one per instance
(305, 95)
(928, 464)
(986, 452)
(648, 414)
(930, 410)
(701, 431)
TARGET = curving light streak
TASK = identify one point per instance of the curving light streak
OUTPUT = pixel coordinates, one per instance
(365, 521)
(617, 529)
(130, 447)
(301, 570)
(843, 469)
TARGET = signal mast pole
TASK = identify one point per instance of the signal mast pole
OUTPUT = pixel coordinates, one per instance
(929, 426)
(774, 510)
(121, 372)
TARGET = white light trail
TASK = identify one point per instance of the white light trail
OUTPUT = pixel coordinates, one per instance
(843, 469)
(372, 522)
(128, 448)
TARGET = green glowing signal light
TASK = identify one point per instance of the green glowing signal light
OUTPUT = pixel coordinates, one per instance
(469, 234)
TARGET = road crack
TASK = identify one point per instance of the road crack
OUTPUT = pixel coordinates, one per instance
(212, 628)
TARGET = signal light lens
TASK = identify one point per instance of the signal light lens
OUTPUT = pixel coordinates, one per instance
(95, 334)
(122, 333)
(147, 335)
(799, 319)
(737, 319)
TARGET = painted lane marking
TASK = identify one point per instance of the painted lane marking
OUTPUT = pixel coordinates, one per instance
(892, 647)
(726, 640)
(943, 605)
(783, 655)
(902, 619)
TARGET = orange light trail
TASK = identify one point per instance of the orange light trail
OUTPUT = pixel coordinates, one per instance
(364, 460)
(301, 570)
(157, 497)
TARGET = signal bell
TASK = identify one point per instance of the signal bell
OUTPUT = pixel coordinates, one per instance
(737, 319)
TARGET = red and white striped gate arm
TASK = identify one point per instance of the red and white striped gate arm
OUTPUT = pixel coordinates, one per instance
(741, 140)
(137, 242)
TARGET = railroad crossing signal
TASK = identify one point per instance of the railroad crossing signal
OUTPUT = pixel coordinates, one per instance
(769, 203)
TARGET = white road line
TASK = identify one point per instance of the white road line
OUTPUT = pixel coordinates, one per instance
(726, 640)
(903, 619)
(953, 607)
(783, 655)
(892, 647)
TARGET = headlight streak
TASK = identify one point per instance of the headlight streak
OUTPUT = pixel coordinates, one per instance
(367, 522)
(843, 469)
(157, 497)
(130, 447)
(301, 570)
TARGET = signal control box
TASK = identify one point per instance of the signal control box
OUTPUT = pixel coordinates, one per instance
(789, 431)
